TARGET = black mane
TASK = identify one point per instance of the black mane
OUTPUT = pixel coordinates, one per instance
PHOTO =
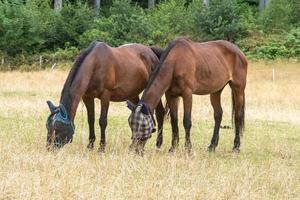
(157, 68)
(157, 51)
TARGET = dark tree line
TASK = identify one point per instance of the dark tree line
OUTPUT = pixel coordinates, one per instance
(262, 28)
(96, 4)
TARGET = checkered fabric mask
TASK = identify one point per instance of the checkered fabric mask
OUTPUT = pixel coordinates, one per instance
(142, 125)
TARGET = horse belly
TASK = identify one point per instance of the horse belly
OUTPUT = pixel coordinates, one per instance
(209, 87)
(126, 92)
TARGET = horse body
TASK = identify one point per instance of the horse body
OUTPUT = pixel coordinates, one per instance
(188, 68)
(109, 74)
(121, 73)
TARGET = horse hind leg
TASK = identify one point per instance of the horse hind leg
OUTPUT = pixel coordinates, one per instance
(160, 113)
(215, 100)
(173, 105)
(103, 122)
(90, 106)
(238, 114)
(187, 122)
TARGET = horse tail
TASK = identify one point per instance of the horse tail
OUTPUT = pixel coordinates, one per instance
(157, 51)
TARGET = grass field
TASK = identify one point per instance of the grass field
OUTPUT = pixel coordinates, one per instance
(268, 166)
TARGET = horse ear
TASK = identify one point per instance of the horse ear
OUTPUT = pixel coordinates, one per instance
(130, 105)
(51, 106)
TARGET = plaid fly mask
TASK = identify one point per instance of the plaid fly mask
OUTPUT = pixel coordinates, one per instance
(141, 121)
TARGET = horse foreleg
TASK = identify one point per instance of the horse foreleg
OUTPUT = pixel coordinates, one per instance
(173, 105)
(103, 122)
(187, 122)
(215, 100)
(160, 113)
(90, 106)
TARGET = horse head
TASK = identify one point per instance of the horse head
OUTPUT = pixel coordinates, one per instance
(142, 124)
(60, 128)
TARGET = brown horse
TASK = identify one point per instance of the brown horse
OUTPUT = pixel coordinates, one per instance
(188, 68)
(106, 73)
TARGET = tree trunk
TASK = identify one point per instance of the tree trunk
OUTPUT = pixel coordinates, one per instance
(95, 4)
(151, 3)
(262, 5)
(206, 2)
(57, 5)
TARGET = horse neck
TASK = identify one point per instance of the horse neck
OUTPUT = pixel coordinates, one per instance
(72, 94)
(158, 87)
(69, 102)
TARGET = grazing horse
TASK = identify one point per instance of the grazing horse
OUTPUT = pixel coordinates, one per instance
(188, 68)
(106, 73)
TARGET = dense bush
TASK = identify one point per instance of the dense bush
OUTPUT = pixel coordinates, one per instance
(288, 47)
(127, 23)
(224, 19)
(32, 28)
(21, 27)
(168, 20)
(277, 16)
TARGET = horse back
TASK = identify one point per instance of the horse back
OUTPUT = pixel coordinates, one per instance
(205, 67)
(123, 71)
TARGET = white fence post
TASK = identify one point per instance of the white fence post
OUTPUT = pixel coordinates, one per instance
(2, 61)
(41, 61)
(53, 66)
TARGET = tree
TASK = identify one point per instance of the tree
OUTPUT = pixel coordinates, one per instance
(263, 4)
(206, 2)
(95, 4)
(57, 5)
(151, 3)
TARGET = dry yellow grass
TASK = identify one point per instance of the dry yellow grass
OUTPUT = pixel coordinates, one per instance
(268, 166)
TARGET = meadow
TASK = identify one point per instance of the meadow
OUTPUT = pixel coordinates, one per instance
(268, 166)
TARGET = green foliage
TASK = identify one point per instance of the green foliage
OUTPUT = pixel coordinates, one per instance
(126, 24)
(21, 27)
(32, 28)
(295, 12)
(277, 16)
(288, 47)
(168, 20)
(224, 19)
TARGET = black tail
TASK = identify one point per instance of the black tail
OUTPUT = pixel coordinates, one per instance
(158, 51)
(242, 122)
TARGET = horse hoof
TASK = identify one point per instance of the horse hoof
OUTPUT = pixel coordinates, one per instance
(211, 148)
(90, 146)
(139, 152)
(158, 145)
(188, 151)
(172, 150)
(236, 150)
(101, 149)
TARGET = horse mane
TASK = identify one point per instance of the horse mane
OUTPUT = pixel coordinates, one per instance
(157, 68)
(157, 51)
(74, 70)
